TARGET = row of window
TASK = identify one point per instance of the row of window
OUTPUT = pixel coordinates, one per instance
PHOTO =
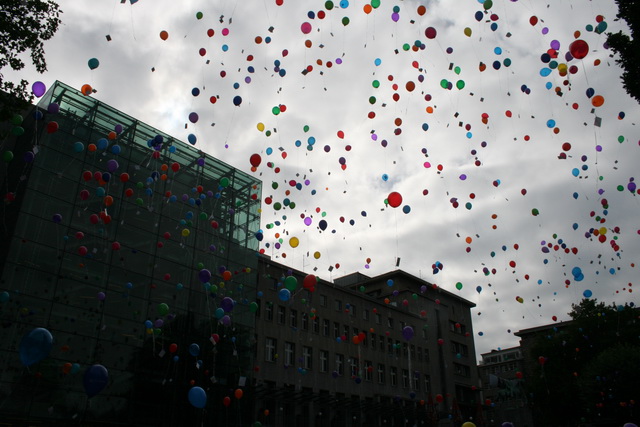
(338, 331)
(353, 366)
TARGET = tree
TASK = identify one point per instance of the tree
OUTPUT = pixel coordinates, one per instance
(586, 368)
(24, 26)
(628, 47)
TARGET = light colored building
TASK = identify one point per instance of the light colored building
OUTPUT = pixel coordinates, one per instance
(390, 350)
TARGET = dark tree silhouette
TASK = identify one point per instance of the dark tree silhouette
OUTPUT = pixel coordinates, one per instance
(24, 26)
(627, 46)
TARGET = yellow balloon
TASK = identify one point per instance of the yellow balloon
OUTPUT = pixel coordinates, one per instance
(294, 242)
(467, 32)
(468, 424)
(185, 232)
(603, 230)
(316, 255)
(260, 127)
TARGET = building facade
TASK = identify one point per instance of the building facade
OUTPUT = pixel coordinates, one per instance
(120, 246)
(391, 350)
(502, 377)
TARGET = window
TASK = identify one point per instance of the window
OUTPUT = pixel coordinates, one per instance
(353, 311)
(293, 318)
(427, 384)
(316, 324)
(340, 364)
(270, 350)
(398, 346)
(373, 341)
(458, 348)
(345, 331)
(405, 349)
(305, 321)
(394, 376)
(336, 329)
(365, 314)
(325, 327)
(355, 362)
(381, 343)
(419, 354)
(426, 355)
(324, 360)
(378, 318)
(337, 305)
(389, 346)
(381, 373)
(390, 323)
(323, 300)
(289, 353)
(462, 370)
(268, 311)
(306, 357)
(402, 325)
(281, 314)
(413, 352)
(368, 370)
(405, 378)
(424, 333)
(416, 381)
(458, 328)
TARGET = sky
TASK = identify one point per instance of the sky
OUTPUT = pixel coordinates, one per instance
(507, 150)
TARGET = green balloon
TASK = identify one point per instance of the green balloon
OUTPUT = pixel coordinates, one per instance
(7, 156)
(375, 4)
(224, 182)
(345, 21)
(253, 307)
(17, 130)
(163, 309)
(291, 283)
(460, 84)
(16, 120)
(458, 286)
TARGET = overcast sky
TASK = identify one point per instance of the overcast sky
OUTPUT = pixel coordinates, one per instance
(486, 161)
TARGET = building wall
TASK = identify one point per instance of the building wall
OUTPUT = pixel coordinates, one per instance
(432, 378)
(92, 257)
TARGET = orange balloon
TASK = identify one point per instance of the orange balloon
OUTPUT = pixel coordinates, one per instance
(421, 10)
(367, 8)
(164, 35)
(86, 89)
(238, 393)
(108, 200)
(597, 100)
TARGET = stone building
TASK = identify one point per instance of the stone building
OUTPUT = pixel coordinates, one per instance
(387, 350)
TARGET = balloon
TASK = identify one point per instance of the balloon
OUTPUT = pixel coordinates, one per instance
(93, 63)
(284, 294)
(305, 28)
(291, 283)
(237, 100)
(164, 35)
(255, 160)
(38, 89)
(163, 309)
(395, 199)
(309, 281)
(294, 242)
(430, 33)
(204, 275)
(95, 380)
(198, 397)
(238, 393)
(226, 401)
(579, 49)
(35, 346)
(468, 424)
(407, 332)
(227, 304)
(194, 349)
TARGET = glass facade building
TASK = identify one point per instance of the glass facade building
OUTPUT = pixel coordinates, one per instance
(137, 253)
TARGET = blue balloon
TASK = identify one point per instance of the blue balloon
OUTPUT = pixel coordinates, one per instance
(35, 346)
(407, 333)
(198, 397)
(284, 294)
(95, 380)
(194, 349)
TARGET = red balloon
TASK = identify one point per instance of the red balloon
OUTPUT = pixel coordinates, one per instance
(309, 281)
(173, 348)
(226, 401)
(255, 160)
(52, 127)
(395, 199)
(430, 33)
(579, 49)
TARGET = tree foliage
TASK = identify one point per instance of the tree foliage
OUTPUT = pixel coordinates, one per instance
(628, 46)
(24, 26)
(586, 369)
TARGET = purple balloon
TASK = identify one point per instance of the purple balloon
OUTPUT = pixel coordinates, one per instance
(407, 332)
(204, 275)
(193, 117)
(112, 165)
(53, 108)
(226, 304)
(226, 320)
(38, 89)
(57, 218)
(307, 220)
